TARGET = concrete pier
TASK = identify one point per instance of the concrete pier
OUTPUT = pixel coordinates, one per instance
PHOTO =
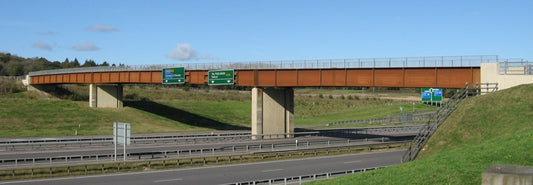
(105, 96)
(272, 112)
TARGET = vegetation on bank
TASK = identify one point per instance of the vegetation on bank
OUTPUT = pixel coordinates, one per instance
(152, 108)
(484, 130)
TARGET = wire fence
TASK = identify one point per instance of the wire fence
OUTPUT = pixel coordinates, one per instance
(395, 62)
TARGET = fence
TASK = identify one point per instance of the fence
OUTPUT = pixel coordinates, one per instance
(12, 78)
(402, 118)
(304, 178)
(193, 152)
(397, 62)
(434, 122)
(516, 68)
(135, 165)
(18, 145)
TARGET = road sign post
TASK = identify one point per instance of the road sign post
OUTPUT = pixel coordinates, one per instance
(221, 77)
(173, 75)
(121, 135)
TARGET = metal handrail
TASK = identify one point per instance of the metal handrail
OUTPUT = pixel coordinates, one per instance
(433, 124)
(516, 68)
(395, 62)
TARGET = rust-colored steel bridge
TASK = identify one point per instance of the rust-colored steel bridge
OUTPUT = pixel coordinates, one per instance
(444, 77)
(444, 72)
(273, 108)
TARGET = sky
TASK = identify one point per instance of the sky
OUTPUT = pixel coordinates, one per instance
(144, 32)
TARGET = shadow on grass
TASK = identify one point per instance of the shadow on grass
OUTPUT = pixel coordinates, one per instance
(181, 115)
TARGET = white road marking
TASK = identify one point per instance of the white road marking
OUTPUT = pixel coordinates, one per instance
(167, 180)
(348, 162)
(187, 169)
(273, 170)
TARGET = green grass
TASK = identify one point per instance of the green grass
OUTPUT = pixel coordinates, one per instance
(484, 130)
(153, 109)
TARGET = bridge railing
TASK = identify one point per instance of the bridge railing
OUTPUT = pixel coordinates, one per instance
(516, 67)
(396, 62)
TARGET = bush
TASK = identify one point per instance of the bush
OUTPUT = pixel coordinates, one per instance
(10, 86)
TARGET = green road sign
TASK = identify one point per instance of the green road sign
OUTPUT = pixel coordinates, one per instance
(174, 75)
(221, 77)
(431, 94)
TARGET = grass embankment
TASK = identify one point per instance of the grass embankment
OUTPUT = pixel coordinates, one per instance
(155, 109)
(484, 130)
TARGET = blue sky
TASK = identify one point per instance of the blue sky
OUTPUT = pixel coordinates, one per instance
(137, 32)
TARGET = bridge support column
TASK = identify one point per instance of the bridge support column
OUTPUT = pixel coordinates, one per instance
(105, 96)
(92, 95)
(272, 112)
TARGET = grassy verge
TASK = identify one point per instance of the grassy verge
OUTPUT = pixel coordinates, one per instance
(484, 130)
(152, 109)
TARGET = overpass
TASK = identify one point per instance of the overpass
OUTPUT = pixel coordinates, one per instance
(272, 82)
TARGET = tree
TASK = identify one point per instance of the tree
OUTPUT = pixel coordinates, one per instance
(105, 64)
(89, 63)
(4, 57)
(65, 63)
(14, 68)
(75, 63)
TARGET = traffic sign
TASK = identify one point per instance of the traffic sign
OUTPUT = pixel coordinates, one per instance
(173, 75)
(122, 133)
(221, 77)
(431, 94)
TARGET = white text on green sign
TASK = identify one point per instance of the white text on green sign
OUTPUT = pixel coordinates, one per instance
(222, 77)
(173, 75)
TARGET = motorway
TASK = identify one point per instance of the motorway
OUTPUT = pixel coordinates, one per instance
(161, 146)
(232, 173)
(43, 158)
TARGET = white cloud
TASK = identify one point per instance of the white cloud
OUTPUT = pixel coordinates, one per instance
(42, 45)
(183, 52)
(101, 28)
(87, 46)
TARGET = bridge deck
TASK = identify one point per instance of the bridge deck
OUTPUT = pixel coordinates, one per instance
(444, 77)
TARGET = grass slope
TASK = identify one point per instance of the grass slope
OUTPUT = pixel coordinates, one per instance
(484, 130)
(155, 109)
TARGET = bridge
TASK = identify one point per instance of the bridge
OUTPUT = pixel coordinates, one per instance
(272, 82)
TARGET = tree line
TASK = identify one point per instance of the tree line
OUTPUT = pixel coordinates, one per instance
(13, 65)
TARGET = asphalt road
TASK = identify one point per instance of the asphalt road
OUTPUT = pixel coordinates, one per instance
(161, 148)
(232, 173)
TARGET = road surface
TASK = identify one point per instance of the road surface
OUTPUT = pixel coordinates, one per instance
(232, 173)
